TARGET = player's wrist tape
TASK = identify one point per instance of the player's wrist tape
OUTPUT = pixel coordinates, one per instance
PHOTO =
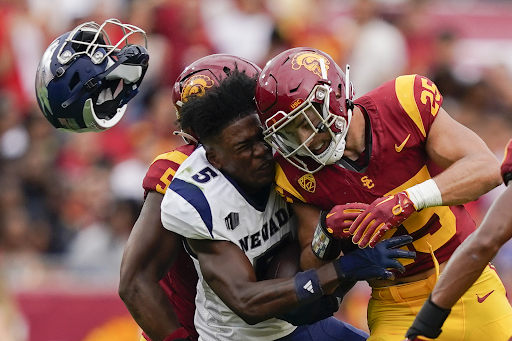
(179, 333)
(307, 286)
(324, 246)
(425, 194)
(507, 177)
(430, 319)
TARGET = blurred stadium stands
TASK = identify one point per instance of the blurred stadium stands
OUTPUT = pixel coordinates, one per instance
(68, 201)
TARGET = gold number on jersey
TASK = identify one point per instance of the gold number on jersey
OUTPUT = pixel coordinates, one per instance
(431, 93)
(436, 239)
(165, 179)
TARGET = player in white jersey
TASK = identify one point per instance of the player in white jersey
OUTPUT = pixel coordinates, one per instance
(208, 205)
(222, 199)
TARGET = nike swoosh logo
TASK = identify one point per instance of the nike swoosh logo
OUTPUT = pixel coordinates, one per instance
(481, 299)
(330, 215)
(400, 147)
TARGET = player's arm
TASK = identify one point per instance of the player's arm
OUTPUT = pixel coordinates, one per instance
(148, 256)
(323, 235)
(468, 261)
(229, 273)
(307, 218)
(470, 170)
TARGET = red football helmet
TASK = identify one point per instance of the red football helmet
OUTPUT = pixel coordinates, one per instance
(203, 74)
(304, 83)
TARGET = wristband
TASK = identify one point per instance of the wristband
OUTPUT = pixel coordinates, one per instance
(307, 286)
(323, 245)
(425, 194)
(429, 320)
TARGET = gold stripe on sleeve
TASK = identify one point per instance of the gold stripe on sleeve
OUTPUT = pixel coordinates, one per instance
(404, 88)
(282, 181)
(174, 156)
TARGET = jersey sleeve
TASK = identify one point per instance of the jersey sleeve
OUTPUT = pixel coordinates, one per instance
(506, 165)
(420, 99)
(284, 188)
(186, 211)
(162, 169)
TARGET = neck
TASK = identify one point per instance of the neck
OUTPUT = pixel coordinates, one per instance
(356, 135)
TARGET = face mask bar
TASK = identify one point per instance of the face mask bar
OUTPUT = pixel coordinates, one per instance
(336, 126)
(100, 40)
(291, 148)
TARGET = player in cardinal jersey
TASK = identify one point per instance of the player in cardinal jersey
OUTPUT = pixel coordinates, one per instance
(396, 160)
(467, 264)
(145, 291)
(223, 201)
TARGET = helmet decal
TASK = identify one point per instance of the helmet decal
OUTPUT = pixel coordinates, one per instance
(310, 61)
(304, 89)
(202, 75)
(196, 86)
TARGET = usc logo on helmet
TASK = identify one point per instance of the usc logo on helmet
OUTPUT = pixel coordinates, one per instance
(195, 86)
(308, 182)
(310, 61)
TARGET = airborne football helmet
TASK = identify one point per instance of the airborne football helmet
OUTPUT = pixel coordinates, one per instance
(305, 85)
(204, 74)
(84, 81)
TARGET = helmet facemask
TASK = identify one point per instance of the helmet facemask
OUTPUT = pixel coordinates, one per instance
(312, 115)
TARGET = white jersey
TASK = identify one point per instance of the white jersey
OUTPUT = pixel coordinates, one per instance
(201, 203)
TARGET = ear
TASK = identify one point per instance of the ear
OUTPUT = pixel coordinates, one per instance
(213, 157)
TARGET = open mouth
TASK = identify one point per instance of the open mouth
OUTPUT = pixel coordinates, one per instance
(320, 148)
(266, 166)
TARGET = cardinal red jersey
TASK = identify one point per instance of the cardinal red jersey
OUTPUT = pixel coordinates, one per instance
(180, 283)
(506, 165)
(399, 114)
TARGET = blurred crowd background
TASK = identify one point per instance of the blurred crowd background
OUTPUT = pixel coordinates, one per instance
(68, 201)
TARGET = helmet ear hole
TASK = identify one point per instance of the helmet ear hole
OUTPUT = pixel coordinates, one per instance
(74, 81)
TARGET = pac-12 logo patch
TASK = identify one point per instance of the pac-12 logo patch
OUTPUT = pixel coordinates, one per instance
(195, 86)
(232, 220)
(310, 61)
(308, 182)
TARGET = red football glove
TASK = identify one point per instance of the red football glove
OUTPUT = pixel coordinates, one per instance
(332, 227)
(383, 214)
(506, 165)
(340, 218)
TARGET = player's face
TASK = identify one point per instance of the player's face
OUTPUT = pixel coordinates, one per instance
(244, 155)
(307, 129)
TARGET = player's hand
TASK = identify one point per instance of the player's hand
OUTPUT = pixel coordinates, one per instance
(340, 218)
(428, 322)
(372, 263)
(383, 214)
(332, 228)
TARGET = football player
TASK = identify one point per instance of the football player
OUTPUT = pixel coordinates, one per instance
(222, 200)
(467, 263)
(79, 72)
(398, 151)
(148, 283)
